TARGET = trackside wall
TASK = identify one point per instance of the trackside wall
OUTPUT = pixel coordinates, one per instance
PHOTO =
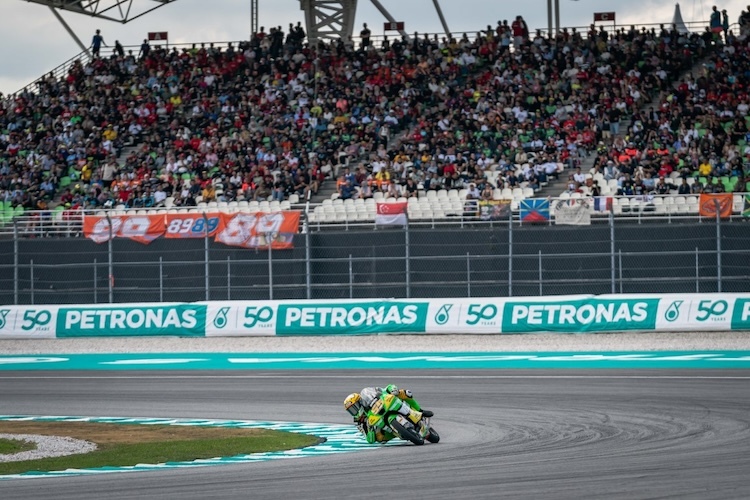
(561, 314)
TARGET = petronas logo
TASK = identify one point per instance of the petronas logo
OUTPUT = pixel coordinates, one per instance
(673, 311)
(443, 314)
(220, 321)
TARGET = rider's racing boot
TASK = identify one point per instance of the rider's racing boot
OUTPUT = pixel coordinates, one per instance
(427, 413)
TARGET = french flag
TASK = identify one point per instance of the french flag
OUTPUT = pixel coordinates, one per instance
(603, 204)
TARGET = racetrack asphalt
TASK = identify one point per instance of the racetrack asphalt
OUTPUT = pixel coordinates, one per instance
(510, 434)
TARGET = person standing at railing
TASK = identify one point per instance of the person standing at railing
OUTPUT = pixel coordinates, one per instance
(145, 49)
(364, 36)
(715, 22)
(119, 49)
(520, 32)
(725, 23)
(96, 43)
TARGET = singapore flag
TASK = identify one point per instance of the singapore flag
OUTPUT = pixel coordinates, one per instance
(391, 214)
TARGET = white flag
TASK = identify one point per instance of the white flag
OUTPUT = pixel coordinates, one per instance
(573, 212)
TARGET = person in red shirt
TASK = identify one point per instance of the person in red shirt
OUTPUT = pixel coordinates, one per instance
(520, 32)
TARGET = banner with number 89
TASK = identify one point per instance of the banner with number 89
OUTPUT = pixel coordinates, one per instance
(191, 225)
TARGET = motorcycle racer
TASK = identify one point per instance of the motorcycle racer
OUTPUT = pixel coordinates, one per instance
(358, 405)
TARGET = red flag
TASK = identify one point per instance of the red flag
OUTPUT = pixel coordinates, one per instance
(391, 214)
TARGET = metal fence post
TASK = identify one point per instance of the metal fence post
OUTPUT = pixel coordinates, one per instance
(110, 266)
(161, 279)
(468, 275)
(15, 262)
(308, 265)
(270, 267)
(620, 267)
(540, 274)
(351, 278)
(229, 277)
(96, 284)
(718, 246)
(31, 279)
(207, 283)
(510, 253)
(612, 248)
(407, 257)
(697, 272)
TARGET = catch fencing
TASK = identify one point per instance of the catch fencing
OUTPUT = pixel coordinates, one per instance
(613, 255)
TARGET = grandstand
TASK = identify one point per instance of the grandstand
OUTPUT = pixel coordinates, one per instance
(271, 123)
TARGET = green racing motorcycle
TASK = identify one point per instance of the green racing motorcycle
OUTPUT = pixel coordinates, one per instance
(384, 415)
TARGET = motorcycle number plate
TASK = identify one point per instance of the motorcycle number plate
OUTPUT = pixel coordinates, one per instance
(377, 406)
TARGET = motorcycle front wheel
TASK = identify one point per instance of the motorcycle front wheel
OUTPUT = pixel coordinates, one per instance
(407, 434)
(433, 436)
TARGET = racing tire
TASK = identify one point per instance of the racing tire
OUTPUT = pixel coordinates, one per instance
(407, 434)
(433, 437)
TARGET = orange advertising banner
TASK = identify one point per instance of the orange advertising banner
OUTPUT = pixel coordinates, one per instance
(709, 204)
(247, 230)
(141, 228)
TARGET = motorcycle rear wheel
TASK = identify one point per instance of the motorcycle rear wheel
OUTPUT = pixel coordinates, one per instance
(433, 436)
(407, 434)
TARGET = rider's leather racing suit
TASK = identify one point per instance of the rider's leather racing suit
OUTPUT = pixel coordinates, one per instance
(411, 410)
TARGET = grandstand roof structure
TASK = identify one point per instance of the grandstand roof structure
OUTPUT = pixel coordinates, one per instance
(324, 19)
(121, 11)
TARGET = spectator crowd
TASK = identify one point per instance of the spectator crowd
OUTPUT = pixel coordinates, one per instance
(272, 117)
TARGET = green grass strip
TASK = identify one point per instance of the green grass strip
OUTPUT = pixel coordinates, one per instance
(9, 446)
(167, 451)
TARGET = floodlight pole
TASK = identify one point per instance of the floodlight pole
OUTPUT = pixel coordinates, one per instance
(442, 18)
